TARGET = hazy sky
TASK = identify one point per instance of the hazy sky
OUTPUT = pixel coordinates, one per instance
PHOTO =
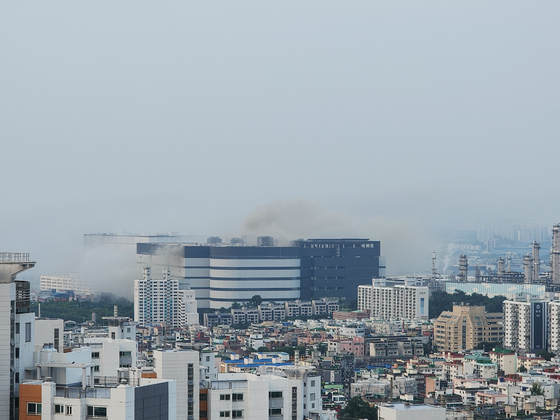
(362, 118)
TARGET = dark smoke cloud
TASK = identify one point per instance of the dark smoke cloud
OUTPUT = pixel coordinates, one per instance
(407, 247)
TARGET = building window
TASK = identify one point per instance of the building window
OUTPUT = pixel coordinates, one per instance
(313, 382)
(225, 397)
(28, 332)
(203, 414)
(275, 394)
(96, 411)
(237, 414)
(68, 410)
(34, 408)
(311, 397)
(96, 368)
(58, 408)
(17, 352)
(274, 411)
(56, 338)
(203, 397)
(17, 327)
(95, 355)
(237, 397)
(125, 354)
(224, 413)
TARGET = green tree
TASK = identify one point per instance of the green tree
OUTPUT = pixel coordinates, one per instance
(547, 355)
(255, 301)
(522, 369)
(262, 349)
(537, 389)
(488, 346)
(285, 349)
(235, 305)
(357, 408)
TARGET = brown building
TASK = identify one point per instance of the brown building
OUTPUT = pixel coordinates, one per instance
(466, 327)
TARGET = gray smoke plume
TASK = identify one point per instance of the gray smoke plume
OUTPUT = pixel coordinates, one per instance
(407, 248)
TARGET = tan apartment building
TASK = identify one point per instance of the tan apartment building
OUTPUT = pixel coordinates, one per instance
(467, 326)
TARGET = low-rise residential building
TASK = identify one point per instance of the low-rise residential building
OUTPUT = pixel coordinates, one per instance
(405, 411)
(293, 392)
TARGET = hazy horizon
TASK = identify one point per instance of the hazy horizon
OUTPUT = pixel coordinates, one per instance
(392, 121)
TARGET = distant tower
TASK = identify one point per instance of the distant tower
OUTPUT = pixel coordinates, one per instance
(463, 268)
(434, 271)
(536, 261)
(528, 269)
(555, 254)
(477, 273)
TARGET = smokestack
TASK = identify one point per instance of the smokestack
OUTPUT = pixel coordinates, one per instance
(528, 269)
(555, 254)
(39, 310)
(463, 268)
(501, 266)
(536, 261)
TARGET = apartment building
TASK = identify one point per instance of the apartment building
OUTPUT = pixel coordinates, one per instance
(272, 312)
(150, 399)
(526, 324)
(506, 360)
(160, 301)
(398, 346)
(276, 394)
(17, 331)
(405, 302)
(554, 327)
(183, 368)
(466, 327)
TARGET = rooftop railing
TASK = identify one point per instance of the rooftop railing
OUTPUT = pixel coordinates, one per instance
(14, 257)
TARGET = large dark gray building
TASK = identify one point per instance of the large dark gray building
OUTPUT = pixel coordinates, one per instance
(312, 268)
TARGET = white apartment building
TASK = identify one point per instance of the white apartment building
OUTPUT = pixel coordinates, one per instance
(111, 355)
(289, 393)
(160, 301)
(188, 314)
(17, 331)
(49, 331)
(400, 302)
(64, 283)
(554, 326)
(183, 367)
(526, 324)
(151, 398)
(400, 411)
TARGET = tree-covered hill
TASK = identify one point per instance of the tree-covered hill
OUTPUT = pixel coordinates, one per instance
(81, 311)
(443, 301)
